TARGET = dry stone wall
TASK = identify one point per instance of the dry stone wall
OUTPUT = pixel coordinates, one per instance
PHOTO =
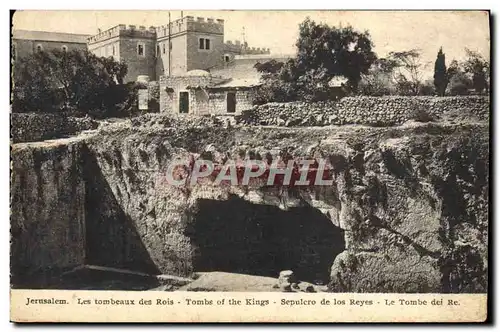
(374, 111)
(32, 127)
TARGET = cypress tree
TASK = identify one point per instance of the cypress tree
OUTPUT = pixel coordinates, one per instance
(440, 76)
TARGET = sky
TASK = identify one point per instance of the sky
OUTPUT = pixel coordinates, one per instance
(278, 30)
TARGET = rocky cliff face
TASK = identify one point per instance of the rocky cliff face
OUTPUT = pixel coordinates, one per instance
(416, 209)
(407, 212)
(47, 210)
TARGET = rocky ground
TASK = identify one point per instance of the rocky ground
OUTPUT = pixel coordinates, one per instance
(408, 211)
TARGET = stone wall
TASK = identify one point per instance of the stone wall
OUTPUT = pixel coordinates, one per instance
(202, 101)
(204, 59)
(171, 86)
(375, 111)
(31, 127)
(176, 56)
(137, 64)
(217, 102)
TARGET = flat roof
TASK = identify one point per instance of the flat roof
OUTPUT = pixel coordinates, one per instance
(239, 83)
(276, 56)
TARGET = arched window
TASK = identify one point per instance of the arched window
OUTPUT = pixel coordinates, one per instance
(39, 48)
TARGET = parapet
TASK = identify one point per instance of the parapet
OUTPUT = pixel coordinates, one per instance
(123, 30)
(190, 23)
(242, 48)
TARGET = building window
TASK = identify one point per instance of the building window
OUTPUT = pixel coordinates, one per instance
(64, 48)
(204, 44)
(163, 48)
(227, 58)
(157, 50)
(114, 50)
(141, 49)
(39, 48)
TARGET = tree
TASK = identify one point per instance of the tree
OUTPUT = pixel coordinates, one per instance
(333, 52)
(408, 77)
(440, 74)
(379, 79)
(76, 80)
(427, 88)
(323, 53)
(459, 82)
(269, 67)
(478, 67)
(278, 85)
(453, 69)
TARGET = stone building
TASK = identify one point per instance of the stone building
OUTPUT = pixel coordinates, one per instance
(133, 45)
(173, 49)
(26, 42)
(198, 92)
(226, 89)
(189, 43)
(198, 72)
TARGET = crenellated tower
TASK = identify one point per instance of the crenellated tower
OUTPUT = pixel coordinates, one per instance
(173, 49)
(189, 43)
(132, 44)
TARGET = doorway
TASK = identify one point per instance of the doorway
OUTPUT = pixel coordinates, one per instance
(231, 102)
(183, 102)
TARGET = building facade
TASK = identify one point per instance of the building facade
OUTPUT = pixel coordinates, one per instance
(200, 93)
(26, 42)
(131, 44)
(189, 43)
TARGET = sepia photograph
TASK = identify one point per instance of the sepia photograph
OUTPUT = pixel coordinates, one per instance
(314, 157)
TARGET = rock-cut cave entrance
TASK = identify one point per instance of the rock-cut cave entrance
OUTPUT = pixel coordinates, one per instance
(241, 237)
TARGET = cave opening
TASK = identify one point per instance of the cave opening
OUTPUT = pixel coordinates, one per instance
(241, 237)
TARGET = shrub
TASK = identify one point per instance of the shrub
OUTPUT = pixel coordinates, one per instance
(154, 96)
(459, 85)
(27, 127)
(422, 115)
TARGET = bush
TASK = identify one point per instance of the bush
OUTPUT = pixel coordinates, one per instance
(154, 96)
(427, 89)
(422, 115)
(459, 85)
(28, 127)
